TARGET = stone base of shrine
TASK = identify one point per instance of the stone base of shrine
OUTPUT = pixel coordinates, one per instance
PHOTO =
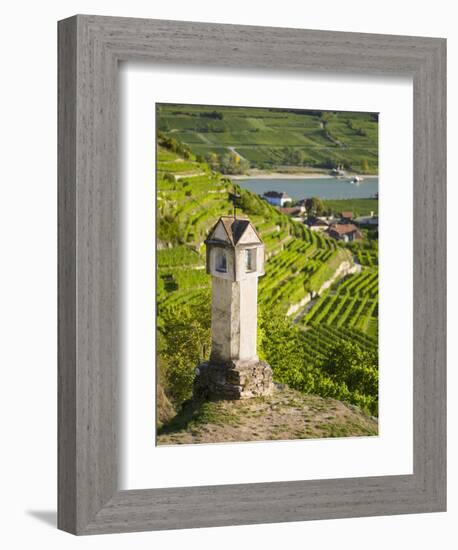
(232, 380)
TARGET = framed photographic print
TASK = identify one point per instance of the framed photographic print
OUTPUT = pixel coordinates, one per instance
(251, 274)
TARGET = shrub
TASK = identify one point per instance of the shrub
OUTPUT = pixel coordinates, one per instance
(185, 338)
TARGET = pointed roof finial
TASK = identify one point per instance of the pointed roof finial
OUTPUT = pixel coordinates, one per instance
(234, 197)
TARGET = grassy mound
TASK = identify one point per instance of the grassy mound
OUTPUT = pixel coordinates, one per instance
(287, 414)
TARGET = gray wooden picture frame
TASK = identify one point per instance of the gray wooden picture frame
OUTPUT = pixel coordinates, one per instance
(90, 49)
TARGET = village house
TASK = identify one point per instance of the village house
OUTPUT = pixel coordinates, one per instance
(367, 221)
(347, 216)
(295, 212)
(317, 224)
(346, 232)
(277, 198)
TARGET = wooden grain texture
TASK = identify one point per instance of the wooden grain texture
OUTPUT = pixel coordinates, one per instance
(67, 437)
(90, 48)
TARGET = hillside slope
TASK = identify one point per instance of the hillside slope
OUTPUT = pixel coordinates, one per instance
(300, 260)
(275, 138)
(308, 319)
(287, 414)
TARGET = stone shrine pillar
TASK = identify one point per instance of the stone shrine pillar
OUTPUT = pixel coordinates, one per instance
(235, 260)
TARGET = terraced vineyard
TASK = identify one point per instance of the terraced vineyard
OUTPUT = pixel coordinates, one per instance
(190, 199)
(300, 269)
(367, 257)
(276, 137)
(298, 260)
(351, 303)
(323, 338)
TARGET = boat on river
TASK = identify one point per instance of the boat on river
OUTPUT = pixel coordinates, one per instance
(356, 179)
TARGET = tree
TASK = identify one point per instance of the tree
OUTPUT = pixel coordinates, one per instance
(250, 204)
(315, 206)
(164, 126)
(297, 157)
(244, 166)
(185, 341)
(232, 163)
(282, 346)
(212, 160)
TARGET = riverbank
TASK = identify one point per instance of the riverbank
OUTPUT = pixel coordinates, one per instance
(270, 175)
(280, 176)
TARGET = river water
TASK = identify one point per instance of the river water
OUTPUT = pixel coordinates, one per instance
(325, 188)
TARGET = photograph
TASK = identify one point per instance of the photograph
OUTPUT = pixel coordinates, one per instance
(266, 274)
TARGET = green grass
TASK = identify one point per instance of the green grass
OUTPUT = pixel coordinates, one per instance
(178, 256)
(193, 416)
(345, 429)
(359, 207)
(177, 167)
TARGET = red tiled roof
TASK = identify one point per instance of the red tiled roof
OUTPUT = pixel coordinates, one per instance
(344, 228)
(316, 222)
(347, 214)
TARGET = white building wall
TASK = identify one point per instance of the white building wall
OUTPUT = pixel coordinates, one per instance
(273, 200)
